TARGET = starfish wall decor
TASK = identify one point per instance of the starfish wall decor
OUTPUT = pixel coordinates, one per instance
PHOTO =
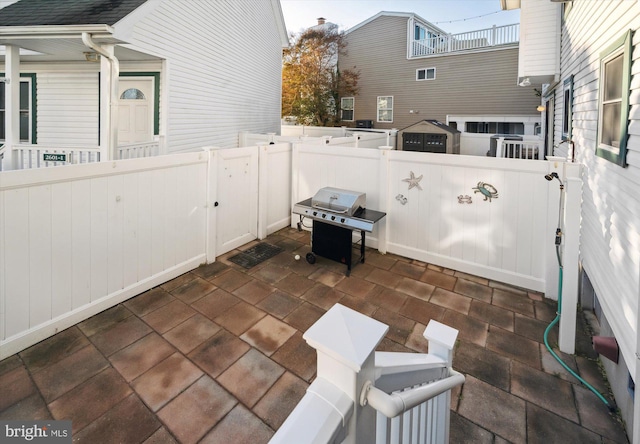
(413, 180)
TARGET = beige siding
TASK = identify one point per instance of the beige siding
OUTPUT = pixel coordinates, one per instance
(479, 83)
(223, 69)
(610, 237)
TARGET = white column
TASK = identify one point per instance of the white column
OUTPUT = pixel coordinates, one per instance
(105, 108)
(442, 340)
(109, 73)
(570, 257)
(12, 105)
(345, 341)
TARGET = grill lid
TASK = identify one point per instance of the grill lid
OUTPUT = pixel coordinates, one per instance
(339, 201)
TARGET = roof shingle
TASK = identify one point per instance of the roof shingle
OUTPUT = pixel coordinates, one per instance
(67, 12)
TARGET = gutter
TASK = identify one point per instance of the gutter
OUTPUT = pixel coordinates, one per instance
(53, 31)
(114, 64)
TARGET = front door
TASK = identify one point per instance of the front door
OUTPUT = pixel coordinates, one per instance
(135, 112)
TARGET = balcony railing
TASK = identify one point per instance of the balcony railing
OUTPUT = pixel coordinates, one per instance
(495, 36)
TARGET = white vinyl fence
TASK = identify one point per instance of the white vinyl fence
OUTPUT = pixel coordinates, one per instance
(485, 216)
(353, 137)
(76, 240)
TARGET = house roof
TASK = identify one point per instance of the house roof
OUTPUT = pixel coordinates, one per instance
(429, 122)
(396, 14)
(66, 12)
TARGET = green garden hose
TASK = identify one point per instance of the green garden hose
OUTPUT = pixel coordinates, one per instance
(611, 406)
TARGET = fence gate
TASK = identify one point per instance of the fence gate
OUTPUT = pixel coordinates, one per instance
(237, 197)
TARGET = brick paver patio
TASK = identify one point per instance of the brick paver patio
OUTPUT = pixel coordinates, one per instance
(217, 356)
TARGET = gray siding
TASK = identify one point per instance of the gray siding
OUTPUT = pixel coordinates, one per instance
(478, 83)
(610, 235)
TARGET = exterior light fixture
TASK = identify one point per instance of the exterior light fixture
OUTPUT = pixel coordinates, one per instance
(91, 56)
(541, 108)
(525, 82)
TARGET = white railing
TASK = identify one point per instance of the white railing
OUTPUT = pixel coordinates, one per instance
(520, 149)
(138, 150)
(480, 39)
(26, 156)
(407, 401)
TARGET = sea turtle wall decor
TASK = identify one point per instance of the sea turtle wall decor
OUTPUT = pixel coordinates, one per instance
(487, 190)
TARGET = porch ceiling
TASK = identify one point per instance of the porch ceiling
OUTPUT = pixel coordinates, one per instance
(66, 49)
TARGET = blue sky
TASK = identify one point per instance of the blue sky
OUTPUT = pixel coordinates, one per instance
(451, 15)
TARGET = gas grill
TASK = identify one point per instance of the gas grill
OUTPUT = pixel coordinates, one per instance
(335, 214)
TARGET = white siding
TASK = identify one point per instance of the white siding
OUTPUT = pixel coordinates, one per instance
(610, 237)
(67, 104)
(223, 69)
(539, 45)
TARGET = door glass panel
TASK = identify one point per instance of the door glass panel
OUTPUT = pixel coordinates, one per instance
(132, 94)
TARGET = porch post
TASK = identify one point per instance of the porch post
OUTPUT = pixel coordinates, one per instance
(12, 105)
(109, 72)
(345, 341)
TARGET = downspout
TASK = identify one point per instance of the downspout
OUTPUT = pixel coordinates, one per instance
(113, 99)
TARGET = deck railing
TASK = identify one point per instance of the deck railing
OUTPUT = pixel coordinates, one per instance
(520, 149)
(39, 156)
(364, 396)
(137, 150)
(472, 40)
(26, 156)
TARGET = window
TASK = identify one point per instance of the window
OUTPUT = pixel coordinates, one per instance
(495, 127)
(567, 108)
(385, 108)
(426, 74)
(613, 102)
(346, 108)
(27, 113)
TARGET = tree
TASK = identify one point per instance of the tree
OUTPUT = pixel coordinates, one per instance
(312, 84)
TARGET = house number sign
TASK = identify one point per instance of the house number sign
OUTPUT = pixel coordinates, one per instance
(48, 157)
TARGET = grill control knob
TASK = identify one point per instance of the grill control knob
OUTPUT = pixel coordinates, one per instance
(315, 213)
(324, 215)
(333, 218)
(342, 220)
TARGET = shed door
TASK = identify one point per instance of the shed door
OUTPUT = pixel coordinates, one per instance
(429, 143)
(135, 112)
(435, 143)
